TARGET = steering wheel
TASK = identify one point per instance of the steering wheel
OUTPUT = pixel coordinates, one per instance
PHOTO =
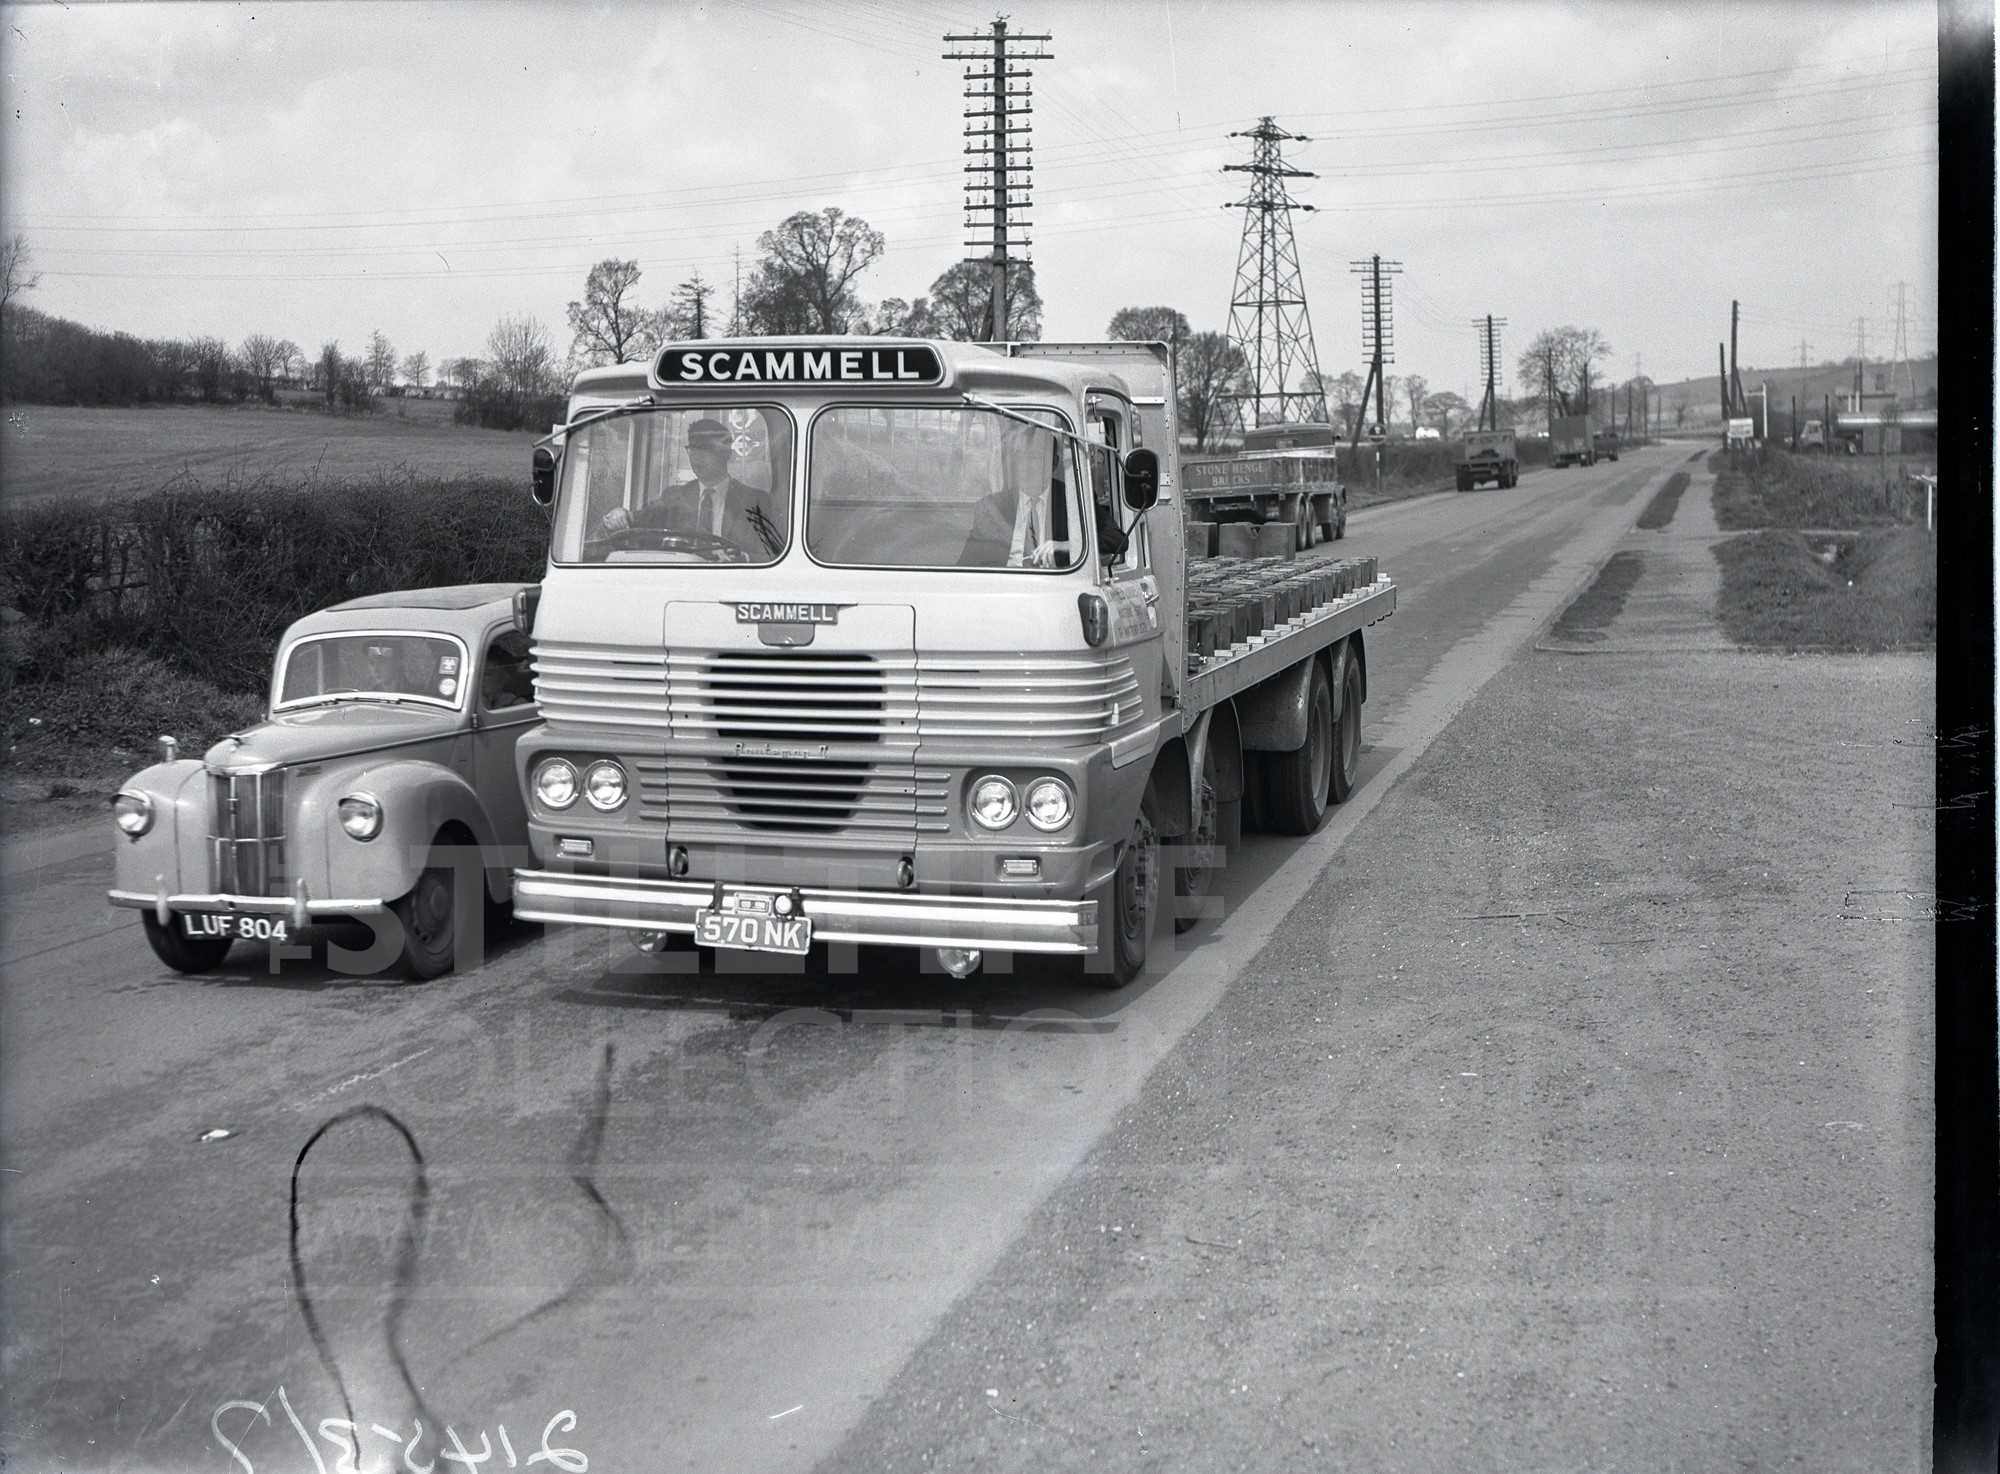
(673, 540)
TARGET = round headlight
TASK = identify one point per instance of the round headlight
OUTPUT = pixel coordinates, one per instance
(604, 785)
(361, 815)
(1049, 803)
(555, 783)
(133, 812)
(994, 804)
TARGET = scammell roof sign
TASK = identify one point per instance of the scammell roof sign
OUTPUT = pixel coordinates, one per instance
(906, 364)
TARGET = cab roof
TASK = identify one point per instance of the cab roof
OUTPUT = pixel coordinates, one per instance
(969, 368)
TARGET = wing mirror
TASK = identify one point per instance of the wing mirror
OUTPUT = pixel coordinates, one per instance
(1142, 479)
(543, 487)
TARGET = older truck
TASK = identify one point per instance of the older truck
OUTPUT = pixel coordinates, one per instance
(881, 641)
(1487, 455)
(1572, 441)
(1286, 474)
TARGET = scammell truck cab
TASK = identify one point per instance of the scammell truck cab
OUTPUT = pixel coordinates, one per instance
(881, 641)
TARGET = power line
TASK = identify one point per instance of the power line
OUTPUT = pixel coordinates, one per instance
(989, 134)
(1268, 320)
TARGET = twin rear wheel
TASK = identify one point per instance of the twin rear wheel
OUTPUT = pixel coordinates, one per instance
(1289, 792)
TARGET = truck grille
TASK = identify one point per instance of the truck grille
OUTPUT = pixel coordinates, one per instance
(701, 796)
(246, 833)
(780, 697)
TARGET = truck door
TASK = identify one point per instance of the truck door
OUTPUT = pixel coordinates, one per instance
(1133, 587)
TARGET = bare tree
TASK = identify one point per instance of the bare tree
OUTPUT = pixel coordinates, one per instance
(417, 368)
(1210, 366)
(1415, 388)
(895, 318)
(262, 357)
(608, 326)
(523, 360)
(1347, 392)
(1446, 410)
(1313, 381)
(14, 274)
(381, 360)
(211, 367)
(291, 360)
(962, 302)
(1557, 361)
(818, 256)
(690, 315)
(1148, 325)
(329, 371)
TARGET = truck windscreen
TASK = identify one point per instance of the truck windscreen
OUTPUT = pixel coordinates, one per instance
(941, 487)
(707, 484)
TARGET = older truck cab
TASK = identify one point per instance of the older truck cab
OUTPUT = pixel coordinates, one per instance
(879, 641)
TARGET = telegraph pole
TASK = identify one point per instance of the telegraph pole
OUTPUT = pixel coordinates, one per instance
(1722, 377)
(1378, 327)
(1860, 358)
(992, 97)
(1268, 320)
(1488, 328)
(1739, 401)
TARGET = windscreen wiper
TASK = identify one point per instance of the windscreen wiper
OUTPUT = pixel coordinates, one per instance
(591, 417)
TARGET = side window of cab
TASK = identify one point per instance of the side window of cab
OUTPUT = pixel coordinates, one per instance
(1106, 432)
(507, 677)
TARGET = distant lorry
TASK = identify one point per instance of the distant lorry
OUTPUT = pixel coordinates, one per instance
(1487, 455)
(1285, 473)
(1605, 443)
(1571, 441)
(1813, 436)
(935, 670)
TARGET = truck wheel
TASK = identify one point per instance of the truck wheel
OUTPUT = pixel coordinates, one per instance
(1464, 481)
(183, 954)
(428, 916)
(1256, 793)
(1302, 530)
(1129, 908)
(1219, 829)
(1347, 736)
(1301, 780)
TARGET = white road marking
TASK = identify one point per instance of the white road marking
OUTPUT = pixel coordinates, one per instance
(366, 1075)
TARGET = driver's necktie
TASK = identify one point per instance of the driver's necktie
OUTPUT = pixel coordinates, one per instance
(707, 522)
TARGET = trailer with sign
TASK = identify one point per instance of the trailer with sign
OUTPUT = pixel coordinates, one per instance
(866, 641)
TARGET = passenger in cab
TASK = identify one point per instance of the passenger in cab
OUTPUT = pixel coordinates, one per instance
(1025, 524)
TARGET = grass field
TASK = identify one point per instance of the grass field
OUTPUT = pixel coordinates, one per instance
(1784, 590)
(50, 450)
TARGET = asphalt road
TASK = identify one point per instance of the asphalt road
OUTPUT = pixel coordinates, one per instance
(1385, 1168)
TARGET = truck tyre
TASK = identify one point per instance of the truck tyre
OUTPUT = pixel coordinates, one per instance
(1219, 829)
(1338, 527)
(1128, 908)
(1302, 529)
(1347, 736)
(1464, 481)
(1299, 781)
(183, 954)
(1256, 792)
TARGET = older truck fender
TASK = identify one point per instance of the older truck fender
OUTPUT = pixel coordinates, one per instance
(1272, 714)
(419, 801)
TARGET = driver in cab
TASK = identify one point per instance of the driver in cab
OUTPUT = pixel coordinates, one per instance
(714, 503)
(1023, 524)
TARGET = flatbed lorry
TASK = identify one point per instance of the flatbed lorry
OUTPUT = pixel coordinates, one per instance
(1487, 455)
(1287, 473)
(896, 642)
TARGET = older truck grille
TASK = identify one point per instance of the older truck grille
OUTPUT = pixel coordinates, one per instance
(246, 833)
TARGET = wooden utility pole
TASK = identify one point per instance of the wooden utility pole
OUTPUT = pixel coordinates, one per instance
(991, 95)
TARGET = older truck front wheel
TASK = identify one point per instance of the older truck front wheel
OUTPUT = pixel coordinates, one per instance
(183, 954)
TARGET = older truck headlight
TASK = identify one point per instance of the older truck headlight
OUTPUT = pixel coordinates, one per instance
(555, 783)
(361, 815)
(604, 785)
(994, 803)
(1050, 804)
(133, 812)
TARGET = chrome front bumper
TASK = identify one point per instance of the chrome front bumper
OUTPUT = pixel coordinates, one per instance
(298, 906)
(876, 917)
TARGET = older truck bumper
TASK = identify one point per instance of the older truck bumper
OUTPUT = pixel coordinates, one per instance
(893, 918)
(300, 908)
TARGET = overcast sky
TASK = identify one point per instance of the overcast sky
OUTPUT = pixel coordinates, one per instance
(320, 170)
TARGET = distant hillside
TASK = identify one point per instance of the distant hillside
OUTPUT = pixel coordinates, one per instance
(1702, 396)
